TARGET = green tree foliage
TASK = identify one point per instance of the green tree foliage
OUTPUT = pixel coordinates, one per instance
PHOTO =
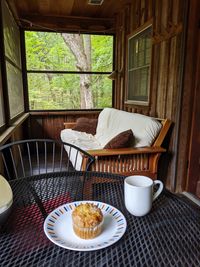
(48, 52)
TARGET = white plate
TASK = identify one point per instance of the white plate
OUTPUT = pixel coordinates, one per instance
(58, 227)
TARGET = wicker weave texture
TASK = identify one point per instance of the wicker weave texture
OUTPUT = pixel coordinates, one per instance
(168, 236)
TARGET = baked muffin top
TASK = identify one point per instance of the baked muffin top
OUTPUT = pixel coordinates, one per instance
(87, 215)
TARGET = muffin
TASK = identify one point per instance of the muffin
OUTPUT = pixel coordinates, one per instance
(87, 220)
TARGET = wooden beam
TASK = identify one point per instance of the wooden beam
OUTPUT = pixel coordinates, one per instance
(68, 23)
(65, 113)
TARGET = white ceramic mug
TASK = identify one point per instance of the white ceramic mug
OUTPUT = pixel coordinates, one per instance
(139, 195)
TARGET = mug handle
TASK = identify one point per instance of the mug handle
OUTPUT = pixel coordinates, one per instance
(160, 188)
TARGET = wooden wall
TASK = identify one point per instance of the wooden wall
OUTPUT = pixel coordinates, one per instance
(188, 164)
(167, 65)
(49, 125)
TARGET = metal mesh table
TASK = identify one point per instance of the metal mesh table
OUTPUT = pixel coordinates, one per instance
(168, 236)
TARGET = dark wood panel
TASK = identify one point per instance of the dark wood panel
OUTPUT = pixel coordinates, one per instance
(193, 181)
(162, 79)
(63, 9)
(44, 7)
(49, 125)
(149, 9)
(66, 23)
(168, 19)
(70, 15)
(188, 93)
(163, 68)
(79, 8)
(154, 79)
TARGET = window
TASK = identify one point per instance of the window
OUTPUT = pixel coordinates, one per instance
(68, 71)
(11, 36)
(139, 61)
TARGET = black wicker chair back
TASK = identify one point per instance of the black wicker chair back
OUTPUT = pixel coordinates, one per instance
(36, 156)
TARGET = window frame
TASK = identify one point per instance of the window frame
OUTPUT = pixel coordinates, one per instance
(148, 24)
(4, 60)
(26, 71)
(3, 125)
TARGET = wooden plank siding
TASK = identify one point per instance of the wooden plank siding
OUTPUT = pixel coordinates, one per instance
(49, 124)
(188, 163)
(168, 18)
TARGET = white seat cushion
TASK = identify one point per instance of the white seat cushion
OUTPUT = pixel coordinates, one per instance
(80, 139)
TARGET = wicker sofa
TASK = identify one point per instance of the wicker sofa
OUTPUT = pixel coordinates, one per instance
(141, 158)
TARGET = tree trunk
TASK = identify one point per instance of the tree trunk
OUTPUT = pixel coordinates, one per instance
(82, 54)
(53, 95)
(87, 39)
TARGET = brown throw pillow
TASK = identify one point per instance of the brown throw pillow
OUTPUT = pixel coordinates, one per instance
(124, 139)
(86, 125)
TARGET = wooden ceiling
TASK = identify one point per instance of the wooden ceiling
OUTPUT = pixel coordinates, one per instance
(66, 14)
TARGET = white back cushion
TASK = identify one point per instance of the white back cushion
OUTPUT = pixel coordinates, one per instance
(113, 121)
